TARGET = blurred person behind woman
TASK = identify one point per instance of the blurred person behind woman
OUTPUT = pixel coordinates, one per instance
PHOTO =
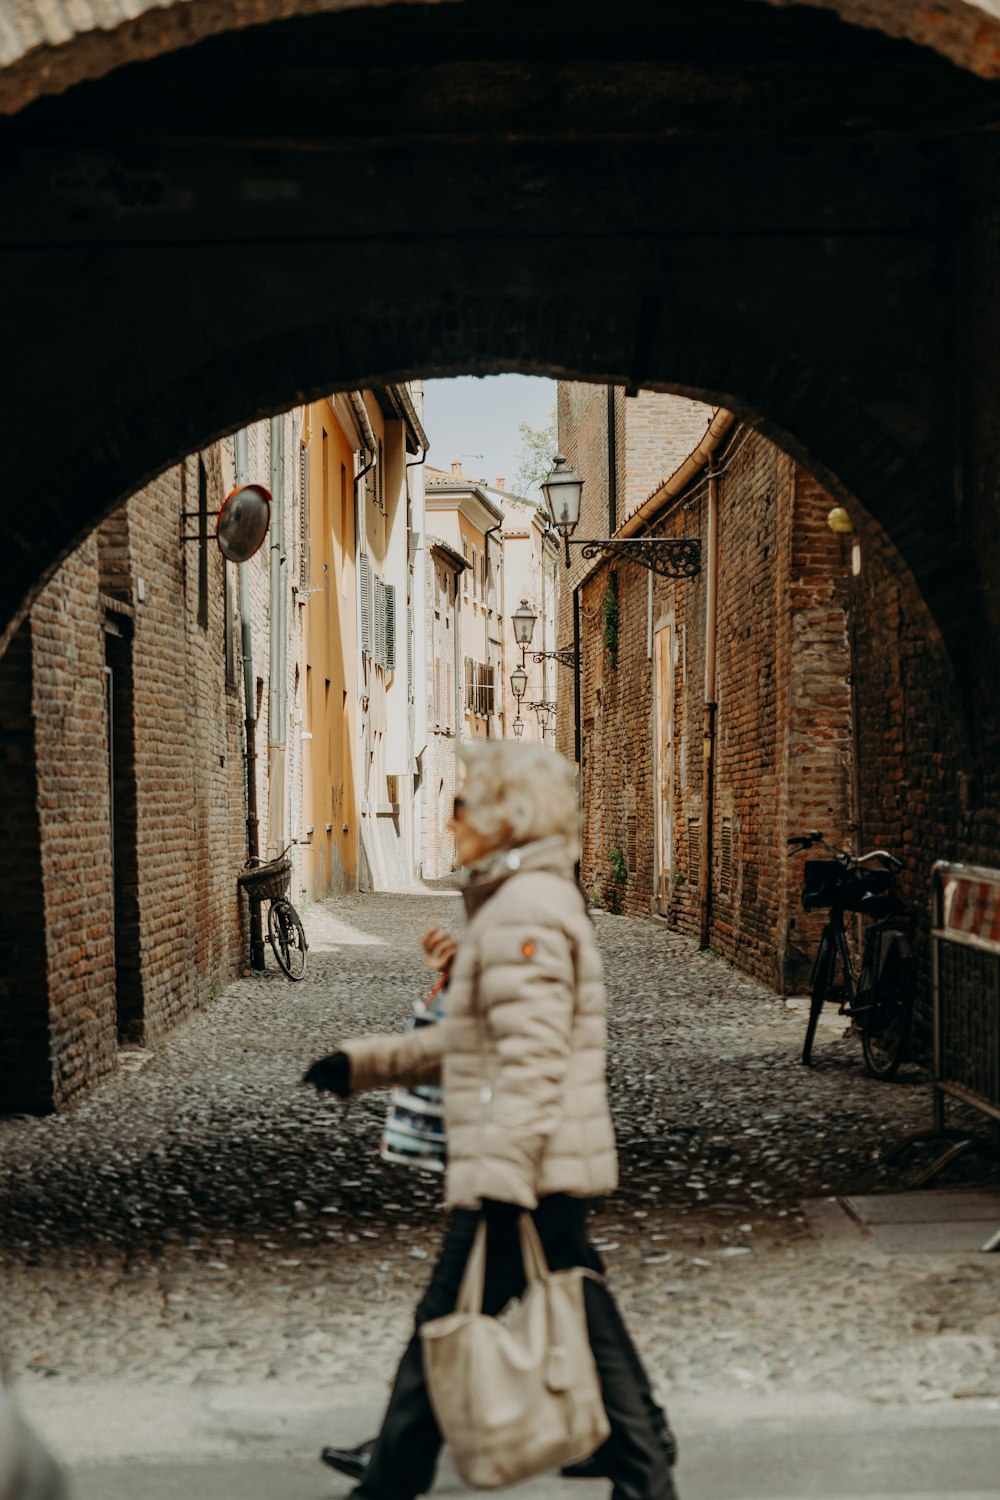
(521, 1054)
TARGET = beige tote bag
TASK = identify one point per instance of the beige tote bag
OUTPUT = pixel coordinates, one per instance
(515, 1396)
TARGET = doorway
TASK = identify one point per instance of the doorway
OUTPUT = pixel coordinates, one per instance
(124, 841)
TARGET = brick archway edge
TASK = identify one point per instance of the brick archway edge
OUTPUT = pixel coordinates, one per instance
(47, 48)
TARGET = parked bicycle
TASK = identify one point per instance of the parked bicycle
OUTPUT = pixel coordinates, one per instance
(878, 1000)
(269, 880)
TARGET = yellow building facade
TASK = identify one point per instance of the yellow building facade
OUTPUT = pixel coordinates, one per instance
(327, 592)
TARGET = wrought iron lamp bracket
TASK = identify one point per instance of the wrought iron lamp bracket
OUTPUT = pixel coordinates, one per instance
(670, 557)
(566, 657)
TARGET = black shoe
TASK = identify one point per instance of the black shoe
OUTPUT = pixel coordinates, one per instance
(587, 1468)
(350, 1461)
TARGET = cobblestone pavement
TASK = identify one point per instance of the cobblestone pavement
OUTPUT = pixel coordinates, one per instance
(207, 1221)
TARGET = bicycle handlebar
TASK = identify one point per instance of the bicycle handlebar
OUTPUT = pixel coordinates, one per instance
(803, 841)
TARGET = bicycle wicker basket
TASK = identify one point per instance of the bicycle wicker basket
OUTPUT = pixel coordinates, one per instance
(828, 883)
(268, 881)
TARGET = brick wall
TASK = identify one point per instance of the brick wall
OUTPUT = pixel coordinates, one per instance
(25, 1069)
(120, 914)
(655, 435)
(784, 754)
(69, 706)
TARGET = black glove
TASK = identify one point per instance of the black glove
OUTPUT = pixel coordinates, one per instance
(331, 1075)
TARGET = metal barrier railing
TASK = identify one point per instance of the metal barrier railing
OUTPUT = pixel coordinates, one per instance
(965, 978)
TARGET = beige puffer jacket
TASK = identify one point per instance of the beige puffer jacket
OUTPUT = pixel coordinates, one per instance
(521, 1050)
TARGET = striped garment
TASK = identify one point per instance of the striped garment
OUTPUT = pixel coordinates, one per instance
(413, 1133)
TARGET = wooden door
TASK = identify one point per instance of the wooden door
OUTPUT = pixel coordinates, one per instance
(663, 762)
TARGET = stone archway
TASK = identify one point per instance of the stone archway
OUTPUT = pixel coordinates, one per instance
(747, 202)
(46, 50)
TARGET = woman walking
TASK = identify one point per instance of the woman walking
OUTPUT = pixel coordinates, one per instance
(521, 1054)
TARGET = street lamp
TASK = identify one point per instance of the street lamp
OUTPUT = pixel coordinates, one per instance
(518, 727)
(519, 683)
(561, 488)
(523, 619)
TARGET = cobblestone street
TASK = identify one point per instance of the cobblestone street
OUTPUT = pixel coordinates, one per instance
(204, 1220)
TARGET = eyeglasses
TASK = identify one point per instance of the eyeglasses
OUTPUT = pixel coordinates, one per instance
(456, 807)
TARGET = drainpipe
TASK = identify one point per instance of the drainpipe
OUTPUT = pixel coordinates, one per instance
(277, 705)
(250, 721)
(709, 709)
(486, 564)
(456, 647)
(612, 465)
(576, 675)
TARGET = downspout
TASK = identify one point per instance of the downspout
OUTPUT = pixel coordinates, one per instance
(486, 554)
(576, 675)
(370, 445)
(709, 709)
(456, 648)
(250, 720)
(411, 418)
(277, 705)
(612, 464)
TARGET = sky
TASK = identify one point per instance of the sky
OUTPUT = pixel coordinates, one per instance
(475, 419)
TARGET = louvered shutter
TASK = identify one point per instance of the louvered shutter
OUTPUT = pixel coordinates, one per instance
(470, 688)
(303, 516)
(390, 627)
(378, 624)
(366, 604)
(409, 649)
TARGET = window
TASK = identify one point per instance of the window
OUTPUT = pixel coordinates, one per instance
(475, 574)
(479, 683)
(378, 617)
(366, 603)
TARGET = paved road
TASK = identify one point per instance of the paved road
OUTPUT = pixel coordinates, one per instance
(206, 1228)
(866, 1459)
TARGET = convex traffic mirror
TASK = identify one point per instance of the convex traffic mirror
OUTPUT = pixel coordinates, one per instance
(243, 521)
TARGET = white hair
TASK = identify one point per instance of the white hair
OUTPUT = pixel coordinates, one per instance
(515, 794)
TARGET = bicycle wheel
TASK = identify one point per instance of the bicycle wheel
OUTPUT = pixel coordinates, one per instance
(821, 976)
(885, 1023)
(287, 938)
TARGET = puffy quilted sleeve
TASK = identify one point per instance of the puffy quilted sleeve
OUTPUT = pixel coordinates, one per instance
(410, 1060)
(526, 996)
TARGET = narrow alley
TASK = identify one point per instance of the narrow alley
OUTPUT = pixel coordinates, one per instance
(204, 1237)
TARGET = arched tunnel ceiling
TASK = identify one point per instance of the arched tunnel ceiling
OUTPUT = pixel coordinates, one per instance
(46, 48)
(750, 203)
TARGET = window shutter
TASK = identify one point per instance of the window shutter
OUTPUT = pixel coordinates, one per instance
(409, 650)
(378, 623)
(303, 516)
(470, 703)
(390, 627)
(366, 604)
(489, 690)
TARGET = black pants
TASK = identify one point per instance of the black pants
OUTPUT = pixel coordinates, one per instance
(640, 1451)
